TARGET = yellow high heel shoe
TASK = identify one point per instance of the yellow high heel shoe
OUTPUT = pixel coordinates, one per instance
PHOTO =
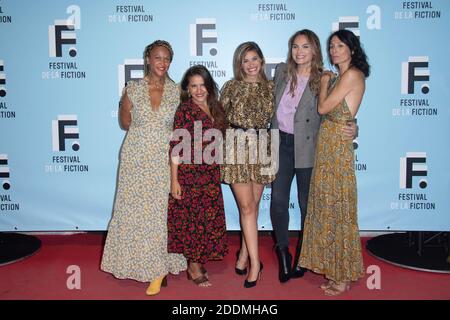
(155, 286)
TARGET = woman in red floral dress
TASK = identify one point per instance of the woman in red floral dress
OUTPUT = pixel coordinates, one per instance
(196, 217)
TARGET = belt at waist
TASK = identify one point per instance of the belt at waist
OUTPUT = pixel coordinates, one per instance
(282, 133)
(233, 126)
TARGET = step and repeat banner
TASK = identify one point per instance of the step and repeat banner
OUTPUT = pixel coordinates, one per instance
(63, 65)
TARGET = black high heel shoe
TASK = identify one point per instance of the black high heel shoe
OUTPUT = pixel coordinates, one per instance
(238, 271)
(251, 284)
(284, 261)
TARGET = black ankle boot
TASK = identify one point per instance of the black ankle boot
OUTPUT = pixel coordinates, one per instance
(284, 260)
(297, 271)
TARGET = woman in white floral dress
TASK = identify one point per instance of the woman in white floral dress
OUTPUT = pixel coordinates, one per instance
(136, 244)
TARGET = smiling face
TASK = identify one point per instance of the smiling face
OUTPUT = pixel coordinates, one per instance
(339, 52)
(251, 65)
(302, 51)
(159, 61)
(197, 90)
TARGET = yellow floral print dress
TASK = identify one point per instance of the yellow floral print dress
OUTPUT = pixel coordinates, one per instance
(331, 243)
(136, 244)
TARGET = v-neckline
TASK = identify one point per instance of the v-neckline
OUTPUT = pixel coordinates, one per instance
(204, 112)
(157, 109)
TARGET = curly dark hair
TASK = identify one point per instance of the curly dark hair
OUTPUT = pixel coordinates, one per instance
(148, 49)
(359, 58)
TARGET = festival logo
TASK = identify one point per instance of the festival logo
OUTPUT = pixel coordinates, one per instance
(202, 32)
(418, 10)
(7, 205)
(4, 171)
(203, 43)
(415, 86)
(136, 13)
(272, 12)
(415, 70)
(63, 43)
(65, 128)
(413, 165)
(413, 182)
(6, 112)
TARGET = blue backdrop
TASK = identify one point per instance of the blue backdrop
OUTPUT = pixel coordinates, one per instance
(63, 65)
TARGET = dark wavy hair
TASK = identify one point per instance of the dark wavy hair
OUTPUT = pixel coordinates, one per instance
(213, 92)
(358, 56)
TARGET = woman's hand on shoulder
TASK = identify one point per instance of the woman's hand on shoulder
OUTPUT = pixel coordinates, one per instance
(327, 75)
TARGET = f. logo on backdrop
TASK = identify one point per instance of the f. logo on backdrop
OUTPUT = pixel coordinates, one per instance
(2, 79)
(4, 171)
(203, 37)
(347, 23)
(132, 69)
(203, 31)
(413, 165)
(64, 128)
(352, 23)
(415, 70)
(63, 33)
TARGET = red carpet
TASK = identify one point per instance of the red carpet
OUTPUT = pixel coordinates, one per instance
(44, 276)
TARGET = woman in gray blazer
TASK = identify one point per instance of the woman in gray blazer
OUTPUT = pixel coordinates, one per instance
(297, 84)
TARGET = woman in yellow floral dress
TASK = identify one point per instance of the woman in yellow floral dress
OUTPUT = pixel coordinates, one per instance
(136, 245)
(331, 244)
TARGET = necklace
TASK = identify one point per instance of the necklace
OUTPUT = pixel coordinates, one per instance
(156, 84)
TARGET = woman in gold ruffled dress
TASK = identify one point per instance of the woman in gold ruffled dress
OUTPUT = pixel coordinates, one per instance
(248, 103)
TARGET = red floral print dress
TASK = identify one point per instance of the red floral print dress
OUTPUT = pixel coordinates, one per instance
(196, 223)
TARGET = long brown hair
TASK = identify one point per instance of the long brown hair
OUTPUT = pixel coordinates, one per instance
(316, 63)
(239, 55)
(215, 106)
